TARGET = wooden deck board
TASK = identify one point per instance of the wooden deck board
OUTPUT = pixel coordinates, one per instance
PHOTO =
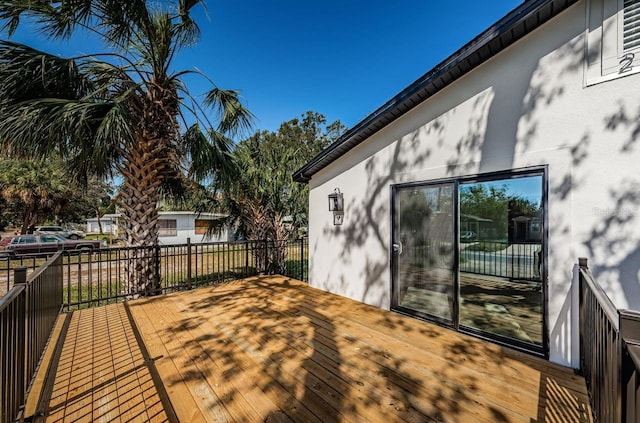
(101, 374)
(273, 349)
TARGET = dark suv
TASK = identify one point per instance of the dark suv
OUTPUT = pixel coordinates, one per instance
(33, 244)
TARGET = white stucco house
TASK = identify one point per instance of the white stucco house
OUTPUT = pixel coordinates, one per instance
(538, 116)
(175, 227)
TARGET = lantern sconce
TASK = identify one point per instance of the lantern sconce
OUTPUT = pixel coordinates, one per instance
(336, 201)
(336, 205)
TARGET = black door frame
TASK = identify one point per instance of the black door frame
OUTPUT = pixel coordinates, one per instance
(530, 348)
(394, 295)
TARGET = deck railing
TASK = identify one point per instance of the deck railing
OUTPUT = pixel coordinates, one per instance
(101, 277)
(27, 315)
(609, 353)
(7, 265)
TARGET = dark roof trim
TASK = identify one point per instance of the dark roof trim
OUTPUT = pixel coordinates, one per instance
(515, 25)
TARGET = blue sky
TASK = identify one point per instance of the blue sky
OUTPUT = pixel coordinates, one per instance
(341, 58)
(529, 187)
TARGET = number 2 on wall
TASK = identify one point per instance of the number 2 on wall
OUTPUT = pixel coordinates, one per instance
(626, 63)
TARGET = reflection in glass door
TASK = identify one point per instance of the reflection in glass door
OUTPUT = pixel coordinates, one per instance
(424, 250)
(501, 235)
(469, 254)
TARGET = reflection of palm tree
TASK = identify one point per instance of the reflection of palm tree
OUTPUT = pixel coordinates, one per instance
(123, 115)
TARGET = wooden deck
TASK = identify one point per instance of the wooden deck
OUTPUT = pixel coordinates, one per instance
(273, 349)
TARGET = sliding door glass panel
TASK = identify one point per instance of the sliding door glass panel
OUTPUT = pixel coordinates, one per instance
(424, 250)
(500, 266)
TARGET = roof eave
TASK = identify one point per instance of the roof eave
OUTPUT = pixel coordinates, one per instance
(512, 27)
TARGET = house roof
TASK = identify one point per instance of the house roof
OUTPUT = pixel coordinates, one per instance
(197, 215)
(515, 25)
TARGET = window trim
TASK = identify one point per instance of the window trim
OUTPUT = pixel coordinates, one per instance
(605, 56)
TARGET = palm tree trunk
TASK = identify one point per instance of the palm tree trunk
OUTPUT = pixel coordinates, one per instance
(99, 217)
(258, 230)
(28, 217)
(281, 236)
(139, 201)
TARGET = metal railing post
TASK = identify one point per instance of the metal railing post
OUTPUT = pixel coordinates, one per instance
(246, 259)
(19, 275)
(20, 353)
(266, 256)
(582, 264)
(301, 259)
(158, 278)
(188, 263)
(630, 353)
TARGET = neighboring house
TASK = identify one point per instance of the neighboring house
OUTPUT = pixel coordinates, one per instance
(174, 227)
(108, 222)
(529, 135)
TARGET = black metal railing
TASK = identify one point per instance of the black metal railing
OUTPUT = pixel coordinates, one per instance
(500, 259)
(107, 275)
(27, 316)
(9, 263)
(609, 353)
(100, 276)
(12, 353)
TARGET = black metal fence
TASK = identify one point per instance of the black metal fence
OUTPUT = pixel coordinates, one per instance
(8, 264)
(27, 315)
(100, 276)
(104, 276)
(609, 353)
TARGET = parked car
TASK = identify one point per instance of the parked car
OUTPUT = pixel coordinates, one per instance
(468, 236)
(33, 244)
(3, 247)
(59, 230)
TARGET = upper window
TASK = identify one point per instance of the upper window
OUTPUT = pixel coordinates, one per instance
(613, 39)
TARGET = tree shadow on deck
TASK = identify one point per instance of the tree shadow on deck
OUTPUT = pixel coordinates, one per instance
(275, 349)
(308, 360)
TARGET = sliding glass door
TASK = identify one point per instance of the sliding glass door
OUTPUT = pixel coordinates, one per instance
(424, 249)
(468, 253)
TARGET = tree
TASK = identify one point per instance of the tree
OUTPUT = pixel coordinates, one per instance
(93, 200)
(124, 111)
(263, 198)
(266, 161)
(498, 206)
(34, 190)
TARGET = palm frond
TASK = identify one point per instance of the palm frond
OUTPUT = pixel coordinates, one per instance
(72, 128)
(186, 31)
(209, 154)
(11, 12)
(233, 116)
(27, 73)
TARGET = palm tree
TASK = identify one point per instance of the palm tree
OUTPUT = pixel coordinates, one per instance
(33, 188)
(125, 111)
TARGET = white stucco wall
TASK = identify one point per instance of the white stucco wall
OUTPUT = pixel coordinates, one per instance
(528, 106)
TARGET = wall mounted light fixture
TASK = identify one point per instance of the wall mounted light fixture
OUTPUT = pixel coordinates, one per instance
(336, 201)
